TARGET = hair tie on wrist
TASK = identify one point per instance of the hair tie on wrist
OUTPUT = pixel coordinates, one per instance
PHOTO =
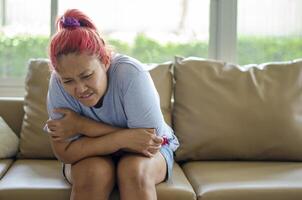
(69, 22)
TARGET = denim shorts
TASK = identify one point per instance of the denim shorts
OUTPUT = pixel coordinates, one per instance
(169, 157)
(165, 151)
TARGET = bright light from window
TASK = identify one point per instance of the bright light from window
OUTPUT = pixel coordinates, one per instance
(155, 23)
(269, 30)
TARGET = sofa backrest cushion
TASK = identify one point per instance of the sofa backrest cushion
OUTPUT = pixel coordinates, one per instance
(34, 142)
(227, 112)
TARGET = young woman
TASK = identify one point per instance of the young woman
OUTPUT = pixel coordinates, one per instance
(105, 122)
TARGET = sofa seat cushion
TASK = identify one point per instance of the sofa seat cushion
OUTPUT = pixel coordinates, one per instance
(178, 189)
(42, 179)
(4, 165)
(35, 180)
(245, 180)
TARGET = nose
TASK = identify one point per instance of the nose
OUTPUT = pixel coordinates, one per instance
(80, 88)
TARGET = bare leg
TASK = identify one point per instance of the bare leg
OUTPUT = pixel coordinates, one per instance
(91, 178)
(138, 175)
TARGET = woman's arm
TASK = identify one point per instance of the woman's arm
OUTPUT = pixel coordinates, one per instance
(71, 152)
(143, 141)
(72, 124)
(92, 128)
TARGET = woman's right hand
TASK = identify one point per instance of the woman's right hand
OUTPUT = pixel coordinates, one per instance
(142, 140)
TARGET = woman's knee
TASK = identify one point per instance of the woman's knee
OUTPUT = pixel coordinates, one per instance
(94, 172)
(133, 170)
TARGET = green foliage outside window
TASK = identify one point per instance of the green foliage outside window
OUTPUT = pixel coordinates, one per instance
(16, 51)
(266, 49)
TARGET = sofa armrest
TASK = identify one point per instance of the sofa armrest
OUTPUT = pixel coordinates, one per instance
(11, 110)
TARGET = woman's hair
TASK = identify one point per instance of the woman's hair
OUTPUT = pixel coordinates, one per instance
(76, 33)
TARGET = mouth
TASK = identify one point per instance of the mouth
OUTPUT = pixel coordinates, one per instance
(85, 96)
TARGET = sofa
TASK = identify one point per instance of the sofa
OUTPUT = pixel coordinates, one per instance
(240, 130)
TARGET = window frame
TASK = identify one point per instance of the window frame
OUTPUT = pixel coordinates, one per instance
(223, 30)
(222, 40)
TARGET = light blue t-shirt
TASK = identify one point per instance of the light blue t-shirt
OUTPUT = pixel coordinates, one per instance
(131, 100)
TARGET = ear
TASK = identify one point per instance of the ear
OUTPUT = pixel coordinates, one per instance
(106, 67)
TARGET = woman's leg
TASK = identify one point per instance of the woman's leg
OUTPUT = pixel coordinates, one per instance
(137, 176)
(91, 178)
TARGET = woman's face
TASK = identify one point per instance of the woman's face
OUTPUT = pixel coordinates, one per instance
(83, 76)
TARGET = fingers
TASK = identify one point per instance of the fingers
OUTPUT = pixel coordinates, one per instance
(157, 139)
(57, 139)
(151, 151)
(154, 149)
(54, 133)
(64, 111)
(51, 127)
(53, 123)
(54, 136)
(151, 130)
(148, 154)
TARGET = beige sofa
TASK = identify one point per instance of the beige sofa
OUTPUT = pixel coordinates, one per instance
(240, 130)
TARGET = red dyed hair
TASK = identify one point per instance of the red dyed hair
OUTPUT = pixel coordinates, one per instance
(84, 38)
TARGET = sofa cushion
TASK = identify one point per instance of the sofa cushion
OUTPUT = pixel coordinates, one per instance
(178, 189)
(35, 180)
(42, 179)
(9, 142)
(163, 80)
(225, 112)
(11, 110)
(245, 180)
(34, 142)
(4, 165)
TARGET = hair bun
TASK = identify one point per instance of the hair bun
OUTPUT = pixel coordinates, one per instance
(74, 18)
(70, 22)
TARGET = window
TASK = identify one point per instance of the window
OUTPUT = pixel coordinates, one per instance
(269, 31)
(151, 31)
(24, 34)
(238, 31)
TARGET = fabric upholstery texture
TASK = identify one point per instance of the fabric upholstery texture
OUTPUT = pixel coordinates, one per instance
(228, 112)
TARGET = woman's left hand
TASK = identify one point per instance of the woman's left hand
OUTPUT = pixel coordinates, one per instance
(66, 127)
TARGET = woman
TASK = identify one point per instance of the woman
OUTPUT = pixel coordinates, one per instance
(105, 122)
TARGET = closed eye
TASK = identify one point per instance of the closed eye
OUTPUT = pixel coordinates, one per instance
(87, 76)
(67, 81)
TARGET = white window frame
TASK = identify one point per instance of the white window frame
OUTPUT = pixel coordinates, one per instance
(223, 30)
(222, 40)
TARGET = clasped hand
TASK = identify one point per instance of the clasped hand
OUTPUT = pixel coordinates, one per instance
(66, 127)
(144, 141)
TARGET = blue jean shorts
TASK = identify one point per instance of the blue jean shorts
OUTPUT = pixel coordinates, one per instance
(165, 151)
(169, 157)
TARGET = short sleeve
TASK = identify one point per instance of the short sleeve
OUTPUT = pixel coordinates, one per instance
(58, 98)
(141, 103)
